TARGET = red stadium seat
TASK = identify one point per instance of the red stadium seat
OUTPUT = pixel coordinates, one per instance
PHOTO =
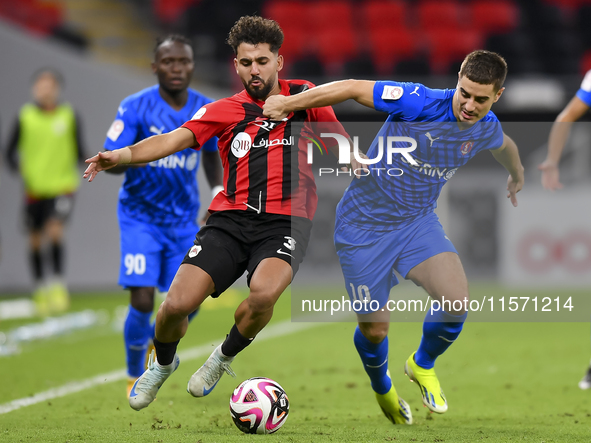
(289, 14)
(449, 45)
(295, 44)
(390, 45)
(334, 49)
(494, 16)
(439, 14)
(169, 11)
(329, 14)
(38, 17)
(383, 13)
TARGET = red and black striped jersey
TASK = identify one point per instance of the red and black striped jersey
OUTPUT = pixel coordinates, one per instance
(265, 162)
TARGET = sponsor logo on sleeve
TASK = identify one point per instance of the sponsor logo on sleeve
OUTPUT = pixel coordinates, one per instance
(196, 249)
(586, 85)
(392, 92)
(115, 130)
(200, 113)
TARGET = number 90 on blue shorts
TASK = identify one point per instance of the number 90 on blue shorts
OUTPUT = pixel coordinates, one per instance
(152, 254)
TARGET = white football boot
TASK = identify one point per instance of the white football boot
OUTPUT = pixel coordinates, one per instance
(146, 387)
(207, 376)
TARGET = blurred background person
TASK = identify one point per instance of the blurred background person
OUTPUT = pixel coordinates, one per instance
(45, 147)
(159, 202)
(574, 110)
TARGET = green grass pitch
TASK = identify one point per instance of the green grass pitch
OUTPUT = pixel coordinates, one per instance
(504, 382)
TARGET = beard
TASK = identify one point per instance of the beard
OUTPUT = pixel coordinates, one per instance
(261, 92)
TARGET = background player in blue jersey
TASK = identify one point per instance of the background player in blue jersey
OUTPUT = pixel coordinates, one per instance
(158, 202)
(574, 110)
(386, 223)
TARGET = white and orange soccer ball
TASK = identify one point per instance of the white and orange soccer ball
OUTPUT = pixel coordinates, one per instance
(259, 406)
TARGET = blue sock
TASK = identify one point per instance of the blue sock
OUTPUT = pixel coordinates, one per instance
(137, 331)
(375, 361)
(440, 329)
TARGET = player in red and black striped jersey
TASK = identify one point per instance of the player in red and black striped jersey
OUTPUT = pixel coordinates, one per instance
(260, 223)
(265, 162)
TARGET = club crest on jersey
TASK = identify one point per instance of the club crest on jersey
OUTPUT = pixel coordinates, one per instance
(241, 144)
(392, 92)
(466, 147)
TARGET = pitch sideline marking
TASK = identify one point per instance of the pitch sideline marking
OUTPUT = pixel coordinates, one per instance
(277, 330)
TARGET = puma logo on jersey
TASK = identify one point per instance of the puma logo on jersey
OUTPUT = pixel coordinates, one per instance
(122, 110)
(156, 130)
(431, 139)
(415, 91)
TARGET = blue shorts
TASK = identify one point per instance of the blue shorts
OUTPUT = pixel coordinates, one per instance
(151, 254)
(368, 258)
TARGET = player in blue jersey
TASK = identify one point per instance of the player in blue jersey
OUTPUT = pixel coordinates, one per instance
(386, 222)
(574, 110)
(158, 202)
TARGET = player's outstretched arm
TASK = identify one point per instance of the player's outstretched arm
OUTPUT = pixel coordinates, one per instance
(145, 151)
(508, 156)
(277, 107)
(558, 137)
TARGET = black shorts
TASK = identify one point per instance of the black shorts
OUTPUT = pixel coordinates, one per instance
(236, 241)
(39, 211)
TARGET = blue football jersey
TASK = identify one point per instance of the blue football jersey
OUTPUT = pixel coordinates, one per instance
(164, 192)
(584, 92)
(396, 190)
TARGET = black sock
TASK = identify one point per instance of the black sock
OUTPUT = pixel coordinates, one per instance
(234, 343)
(57, 256)
(36, 264)
(165, 351)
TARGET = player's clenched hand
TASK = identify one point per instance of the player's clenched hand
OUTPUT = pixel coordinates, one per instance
(550, 175)
(101, 162)
(274, 107)
(514, 186)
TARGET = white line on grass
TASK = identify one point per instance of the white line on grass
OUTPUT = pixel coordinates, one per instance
(277, 330)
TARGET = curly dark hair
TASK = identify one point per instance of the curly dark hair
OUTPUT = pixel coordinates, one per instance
(485, 67)
(255, 30)
(172, 38)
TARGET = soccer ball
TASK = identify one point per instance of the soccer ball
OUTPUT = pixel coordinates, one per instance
(259, 406)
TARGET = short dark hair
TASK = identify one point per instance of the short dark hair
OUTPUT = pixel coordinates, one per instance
(255, 30)
(485, 67)
(57, 76)
(172, 38)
